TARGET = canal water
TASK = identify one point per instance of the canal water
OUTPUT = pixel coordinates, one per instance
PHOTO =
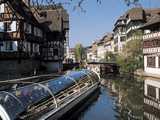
(121, 98)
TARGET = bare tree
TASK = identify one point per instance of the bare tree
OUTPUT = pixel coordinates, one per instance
(78, 4)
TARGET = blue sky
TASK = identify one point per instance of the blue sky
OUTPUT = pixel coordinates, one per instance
(85, 27)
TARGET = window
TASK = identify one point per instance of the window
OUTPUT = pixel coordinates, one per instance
(9, 46)
(151, 61)
(2, 8)
(151, 91)
(27, 28)
(123, 39)
(7, 26)
(55, 52)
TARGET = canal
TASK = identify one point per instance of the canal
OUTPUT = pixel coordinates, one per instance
(121, 98)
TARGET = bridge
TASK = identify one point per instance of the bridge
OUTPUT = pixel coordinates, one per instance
(104, 67)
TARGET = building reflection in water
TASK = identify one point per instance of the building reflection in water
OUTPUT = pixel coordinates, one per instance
(122, 98)
(152, 98)
(129, 97)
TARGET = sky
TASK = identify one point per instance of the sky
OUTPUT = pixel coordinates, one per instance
(86, 27)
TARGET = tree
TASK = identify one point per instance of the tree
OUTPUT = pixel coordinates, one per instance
(79, 52)
(131, 58)
(110, 57)
(77, 4)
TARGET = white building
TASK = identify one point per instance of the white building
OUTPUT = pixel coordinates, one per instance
(127, 25)
(106, 44)
(97, 52)
(151, 46)
(151, 98)
(72, 55)
(91, 53)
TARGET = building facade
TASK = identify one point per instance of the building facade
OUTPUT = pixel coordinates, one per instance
(19, 32)
(97, 51)
(20, 38)
(151, 45)
(72, 55)
(119, 34)
(151, 98)
(29, 40)
(55, 21)
(106, 44)
(127, 26)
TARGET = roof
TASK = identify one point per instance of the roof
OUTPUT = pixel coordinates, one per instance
(153, 21)
(23, 10)
(72, 50)
(108, 37)
(136, 13)
(53, 18)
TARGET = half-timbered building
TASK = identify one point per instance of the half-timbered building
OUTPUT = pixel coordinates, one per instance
(21, 37)
(31, 37)
(55, 21)
(151, 45)
(20, 32)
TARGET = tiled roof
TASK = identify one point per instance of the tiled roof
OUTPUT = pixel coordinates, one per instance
(72, 49)
(106, 38)
(23, 10)
(135, 13)
(153, 20)
(138, 13)
(53, 18)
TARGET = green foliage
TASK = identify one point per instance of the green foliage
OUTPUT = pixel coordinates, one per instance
(110, 57)
(127, 88)
(79, 52)
(131, 58)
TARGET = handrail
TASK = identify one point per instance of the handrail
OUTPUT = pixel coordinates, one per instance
(88, 76)
(66, 76)
(45, 87)
(13, 97)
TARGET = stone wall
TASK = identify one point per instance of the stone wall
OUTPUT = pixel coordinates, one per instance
(53, 66)
(11, 69)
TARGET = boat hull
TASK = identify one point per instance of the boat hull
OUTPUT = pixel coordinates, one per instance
(61, 110)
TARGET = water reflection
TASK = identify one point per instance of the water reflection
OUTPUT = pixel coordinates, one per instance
(129, 93)
(122, 98)
(152, 99)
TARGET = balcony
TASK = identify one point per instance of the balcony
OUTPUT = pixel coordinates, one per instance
(133, 28)
(155, 35)
(133, 38)
(151, 50)
(151, 43)
(9, 35)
